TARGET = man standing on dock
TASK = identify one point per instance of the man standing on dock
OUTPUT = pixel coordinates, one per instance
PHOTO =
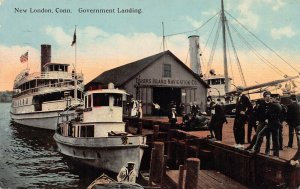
(172, 117)
(293, 119)
(263, 108)
(272, 126)
(240, 120)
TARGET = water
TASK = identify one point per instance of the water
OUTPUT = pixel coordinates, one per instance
(29, 159)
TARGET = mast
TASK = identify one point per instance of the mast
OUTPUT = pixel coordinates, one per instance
(223, 19)
(163, 28)
(74, 42)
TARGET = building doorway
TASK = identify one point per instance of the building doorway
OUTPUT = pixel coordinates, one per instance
(164, 96)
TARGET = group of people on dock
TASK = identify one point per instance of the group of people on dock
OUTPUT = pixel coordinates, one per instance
(267, 117)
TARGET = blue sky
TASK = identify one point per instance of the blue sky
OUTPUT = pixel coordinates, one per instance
(109, 40)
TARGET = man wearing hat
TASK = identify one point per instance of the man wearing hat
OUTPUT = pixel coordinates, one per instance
(262, 110)
(272, 124)
(242, 106)
(293, 120)
(127, 174)
(172, 117)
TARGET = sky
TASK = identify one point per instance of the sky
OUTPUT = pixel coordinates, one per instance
(107, 40)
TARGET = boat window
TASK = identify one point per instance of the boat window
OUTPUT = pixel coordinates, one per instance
(117, 99)
(87, 131)
(100, 99)
(216, 82)
(222, 81)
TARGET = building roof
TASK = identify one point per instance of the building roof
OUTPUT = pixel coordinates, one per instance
(122, 74)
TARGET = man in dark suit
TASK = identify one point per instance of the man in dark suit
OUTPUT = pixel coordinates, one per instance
(272, 126)
(172, 117)
(293, 119)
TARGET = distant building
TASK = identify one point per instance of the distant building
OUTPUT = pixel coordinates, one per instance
(5, 96)
(161, 78)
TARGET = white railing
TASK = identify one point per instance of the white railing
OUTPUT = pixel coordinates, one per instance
(47, 75)
(56, 87)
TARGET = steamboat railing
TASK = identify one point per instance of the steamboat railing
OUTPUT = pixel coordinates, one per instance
(47, 75)
(50, 88)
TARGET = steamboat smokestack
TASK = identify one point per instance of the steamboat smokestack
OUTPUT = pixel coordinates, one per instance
(45, 55)
(194, 54)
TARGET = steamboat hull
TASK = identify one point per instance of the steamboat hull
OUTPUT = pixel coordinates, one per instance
(44, 120)
(105, 153)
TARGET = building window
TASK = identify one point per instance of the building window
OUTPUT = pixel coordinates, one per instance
(167, 70)
(89, 101)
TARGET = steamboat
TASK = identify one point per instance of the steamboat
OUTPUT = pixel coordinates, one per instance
(39, 97)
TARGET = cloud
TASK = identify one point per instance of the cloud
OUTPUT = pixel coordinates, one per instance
(193, 22)
(248, 17)
(278, 4)
(98, 51)
(59, 35)
(211, 12)
(278, 33)
(275, 4)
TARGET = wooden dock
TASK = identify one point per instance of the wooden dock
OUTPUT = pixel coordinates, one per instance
(222, 159)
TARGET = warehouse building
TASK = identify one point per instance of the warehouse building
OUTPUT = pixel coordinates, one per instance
(161, 78)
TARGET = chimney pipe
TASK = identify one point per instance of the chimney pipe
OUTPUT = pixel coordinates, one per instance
(194, 54)
(45, 55)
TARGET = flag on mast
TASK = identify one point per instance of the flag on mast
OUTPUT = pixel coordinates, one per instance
(74, 38)
(24, 57)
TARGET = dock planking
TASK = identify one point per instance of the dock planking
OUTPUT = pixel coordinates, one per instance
(207, 179)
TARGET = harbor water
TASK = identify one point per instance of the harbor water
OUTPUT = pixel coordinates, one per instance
(29, 159)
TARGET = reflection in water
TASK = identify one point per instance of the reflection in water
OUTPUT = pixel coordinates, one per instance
(28, 159)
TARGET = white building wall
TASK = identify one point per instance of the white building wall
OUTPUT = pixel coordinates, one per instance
(153, 76)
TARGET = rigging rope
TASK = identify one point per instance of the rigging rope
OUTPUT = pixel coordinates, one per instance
(236, 56)
(230, 63)
(211, 32)
(194, 29)
(276, 69)
(213, 48)
(264, 43)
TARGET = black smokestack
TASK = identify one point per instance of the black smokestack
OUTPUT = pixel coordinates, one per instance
(45, 55)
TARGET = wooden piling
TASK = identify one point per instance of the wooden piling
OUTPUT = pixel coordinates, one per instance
(192, 172)
(180, 178)
(156, 164)
(139, 127)
(126, 126)
(155, 132)
(151, 167)
(164, 171)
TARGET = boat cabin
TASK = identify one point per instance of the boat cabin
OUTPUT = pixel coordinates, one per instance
(101, 116)
(56, 67)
